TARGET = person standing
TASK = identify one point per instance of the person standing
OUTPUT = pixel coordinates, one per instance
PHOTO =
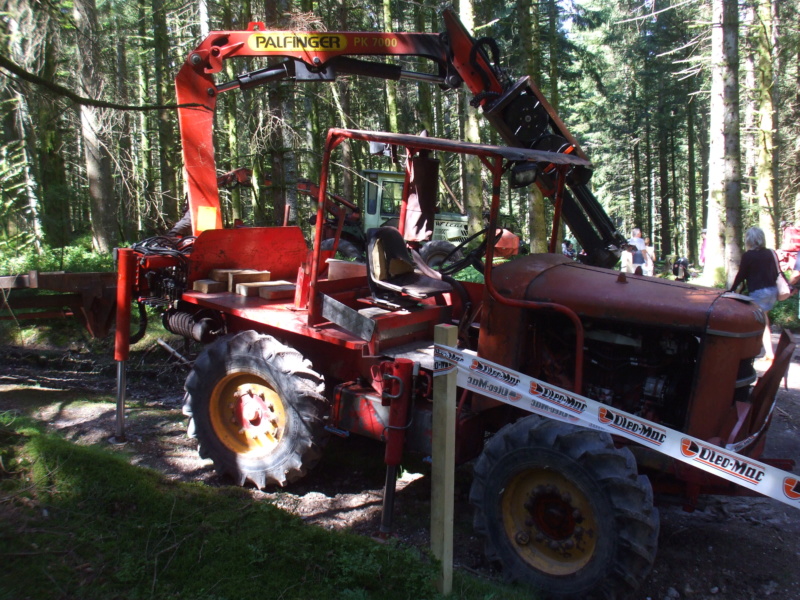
(626, 258)
(567, 249)
(703, 248)
(758, 270)
(638, 248)
(636, 238)
(649, 258)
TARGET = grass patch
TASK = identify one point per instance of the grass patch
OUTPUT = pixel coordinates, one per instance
(80, 522)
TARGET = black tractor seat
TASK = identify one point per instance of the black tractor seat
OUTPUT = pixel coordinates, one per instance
(394, 271)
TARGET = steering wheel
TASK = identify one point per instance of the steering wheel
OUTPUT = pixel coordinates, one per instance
(474, 257)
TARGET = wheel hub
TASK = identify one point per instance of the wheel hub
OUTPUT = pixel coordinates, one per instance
(556, 521)
(549, 521)
(254, 415)
(247, 414)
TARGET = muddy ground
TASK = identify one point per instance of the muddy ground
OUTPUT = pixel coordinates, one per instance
(729, 549)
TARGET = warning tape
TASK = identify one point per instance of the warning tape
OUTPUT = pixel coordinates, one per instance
(535, 396)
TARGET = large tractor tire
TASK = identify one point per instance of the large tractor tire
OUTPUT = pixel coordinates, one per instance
(257, 409)
(564, 511)
(346, 250)
(435, 252)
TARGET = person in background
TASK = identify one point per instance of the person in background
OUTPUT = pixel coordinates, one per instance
(638, 248)
(703, 248)
(649, 253)
(626, 259)
(567, 249)
(758, 270)
(183, 227)
(636, 238)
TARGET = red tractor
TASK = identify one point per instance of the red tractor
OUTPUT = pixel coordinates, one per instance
(566, 509)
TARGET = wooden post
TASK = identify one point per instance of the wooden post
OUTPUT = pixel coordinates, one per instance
(443, 463)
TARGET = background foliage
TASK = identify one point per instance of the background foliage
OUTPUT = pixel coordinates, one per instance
(630, 78)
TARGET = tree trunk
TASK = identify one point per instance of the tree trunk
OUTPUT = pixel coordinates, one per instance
(166, 136)
(95, 142)
(766, 96)
(552, 14)
(127, 178)
(529, 38)
(56, 195)
(424, 89)
(391, 86)
(723, 252)
(677, 222)
(473, 189)
(202, 17)
(749, 93)
(648, 167)
(663, 185)
(691, 225)
(640, 216)
(149, 216)
(229, 109)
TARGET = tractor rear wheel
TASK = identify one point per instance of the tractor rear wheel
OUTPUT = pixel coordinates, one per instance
(564, 511)
(346, 249)
(435, 252)
(257, 409)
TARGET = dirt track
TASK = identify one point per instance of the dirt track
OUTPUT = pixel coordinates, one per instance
(732, 548)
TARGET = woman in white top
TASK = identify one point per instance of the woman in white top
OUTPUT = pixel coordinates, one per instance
(626, 259)
(649, 258)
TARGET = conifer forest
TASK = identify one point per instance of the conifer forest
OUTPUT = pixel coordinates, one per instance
(688, 110)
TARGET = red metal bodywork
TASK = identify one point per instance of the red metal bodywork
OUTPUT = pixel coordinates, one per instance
(517, 297)
(279, 250)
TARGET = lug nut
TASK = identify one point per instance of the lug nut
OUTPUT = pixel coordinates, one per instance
(522, 538)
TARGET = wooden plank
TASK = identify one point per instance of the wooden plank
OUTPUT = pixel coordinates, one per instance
(209, 286)
(343, 269)
(246, 276)
(249, 288)
(276, 290)
(221, 274)
(443, 454)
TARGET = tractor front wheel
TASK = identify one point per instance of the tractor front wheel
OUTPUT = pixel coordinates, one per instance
(257, 409)
(564, 511)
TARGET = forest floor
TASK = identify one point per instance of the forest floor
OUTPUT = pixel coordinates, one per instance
(728, 549)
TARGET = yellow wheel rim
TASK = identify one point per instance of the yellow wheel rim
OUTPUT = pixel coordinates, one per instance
(247, 414)
(549, 522)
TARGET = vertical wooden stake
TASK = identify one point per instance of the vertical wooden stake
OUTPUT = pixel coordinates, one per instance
(443, 463)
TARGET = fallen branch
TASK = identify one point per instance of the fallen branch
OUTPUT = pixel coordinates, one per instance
(60, 90)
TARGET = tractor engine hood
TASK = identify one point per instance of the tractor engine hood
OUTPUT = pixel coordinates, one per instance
(597, 293)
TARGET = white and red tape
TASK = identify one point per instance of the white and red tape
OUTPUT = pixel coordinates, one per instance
(535, 396)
